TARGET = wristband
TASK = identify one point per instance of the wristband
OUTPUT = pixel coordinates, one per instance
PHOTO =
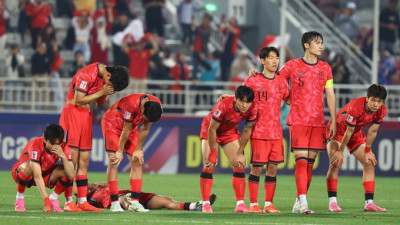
(47, 201)
(213, 156)
(367, 149)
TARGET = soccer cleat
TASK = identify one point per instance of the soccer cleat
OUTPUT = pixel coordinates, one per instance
(304, 209)
(55, 205)
(371, 207)
(242, 208)
(137, 207)
(71, 207)
(85, 206)
(296, 207)
(207, 208)
(20, 205)
(198, 206)
(271, 209)
(333, 207)
(213, 197)
(116, 207)
(255, 209)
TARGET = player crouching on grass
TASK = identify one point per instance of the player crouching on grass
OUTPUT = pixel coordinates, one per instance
(99, 196)
(350, 120)
(37, 166)
(220, 127)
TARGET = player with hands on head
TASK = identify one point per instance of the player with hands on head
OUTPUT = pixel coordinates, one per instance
(220, 127)
(120, 132)
(349, 121)
(38, 166)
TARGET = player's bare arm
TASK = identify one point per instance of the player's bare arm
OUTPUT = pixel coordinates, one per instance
(68, 165)
(143, 132)
(331, 100)
(118, 156)
(337, 157)
(246, 133)
(37, 176)
(372, 132)
(154, 45)
(211, 160)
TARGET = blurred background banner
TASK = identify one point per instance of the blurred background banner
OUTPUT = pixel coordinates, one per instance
(173, 146)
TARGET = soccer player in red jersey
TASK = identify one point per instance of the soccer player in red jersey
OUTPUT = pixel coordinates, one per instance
(266, 138)
(120, 133)
(37, 166)
(349, 122)
(220, 127)
(99, 196)
(92, 83)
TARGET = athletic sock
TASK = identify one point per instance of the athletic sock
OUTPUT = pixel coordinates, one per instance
(331, 185)
(253, 184)
(369, 187)
(23, 181)
(113, 187)
(136, 188)
(301, 175)
(309, 171)
(81, 184)
(206, 183)
(269, 186)
(239, 184)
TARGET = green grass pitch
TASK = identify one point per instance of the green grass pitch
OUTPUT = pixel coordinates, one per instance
(184, 187)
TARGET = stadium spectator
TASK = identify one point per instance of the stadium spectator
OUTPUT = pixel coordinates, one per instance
(154, 17)
(325, 56)
(99, 195)
(65, 8)
(23, 19)
(109, 11)
(328, 7)
(340, 73)
(120, 57)
(86, 5)
(211, 74)
(48, 35)
(83, 24)
(349, 122)
(220, 127)
(100, 42)
(200, 45)
(92, 83)
(348, 22)
(15, 69)
(266, 138)
(179, 72)
(39, 12)
(4, 16)
(231, 33)
(78, 63)
(367, 42)
(185, 13)
(120, 132)
(387, 68)
(37, 166)
(40, 62)
(139, 57)
(389, 21)
(240, 67)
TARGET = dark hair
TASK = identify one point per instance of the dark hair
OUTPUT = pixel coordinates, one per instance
(216, 54)
(264, 52)
(153, 111)
(377, 91)
(310, 36)
(244, 91)
(119, 77)
(208, 16)
(53, 132)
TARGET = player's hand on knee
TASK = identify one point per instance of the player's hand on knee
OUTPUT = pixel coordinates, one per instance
(241, 161)
(337, 159)
(370, 158)
(138, 155)
(116, 159)
(209, 165)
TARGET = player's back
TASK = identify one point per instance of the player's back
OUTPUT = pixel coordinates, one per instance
(307, 85)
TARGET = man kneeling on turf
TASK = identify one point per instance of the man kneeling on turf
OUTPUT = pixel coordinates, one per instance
(99, 196)
(37, 166)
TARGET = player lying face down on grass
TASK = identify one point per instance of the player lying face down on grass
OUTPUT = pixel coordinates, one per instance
(38, 166)
(355, 115)
(220, 127)
(120, 132)
(99, 196)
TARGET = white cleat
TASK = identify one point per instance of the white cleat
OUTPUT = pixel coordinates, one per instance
(137, 207)
(304, 209)
(296, 207)
(116, 207)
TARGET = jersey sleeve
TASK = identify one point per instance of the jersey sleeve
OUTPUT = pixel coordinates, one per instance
(35, 155)
(285, 89)
(380, 115)
(83, 82)
(285, 71)
(126, 111)
(253, 113)
(328, 72)
(351, 117)
(219, 112)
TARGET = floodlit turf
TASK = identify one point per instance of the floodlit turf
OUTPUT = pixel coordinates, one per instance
(185, 187)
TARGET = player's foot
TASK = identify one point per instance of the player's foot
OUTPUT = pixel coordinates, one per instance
(255, 209)
(55, 205)
(242, 208)
(71, 207)
(116, 207)
(373, 208)
(20, 205)
(333, 207)
(296, 207)
(198, 206)
(137, 207)
(85, 206)
(271, 209)
(207, 208)
(304, 209)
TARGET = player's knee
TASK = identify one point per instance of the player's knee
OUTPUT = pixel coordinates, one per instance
(26, 169)
(256, 170)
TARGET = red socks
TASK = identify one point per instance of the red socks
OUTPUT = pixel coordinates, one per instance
(62, 184)
(81, 184)
(253, 182)
(239, 184)
(269, 185)
(331, 185)
(184, 206)
(309, 171)
(23, 181)
(369, 187)
(301, 175)
(206, 183)
(113, 187)
(136, 189)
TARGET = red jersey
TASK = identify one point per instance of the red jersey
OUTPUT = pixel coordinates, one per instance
(35, 151)
(355, 114)
(139, 63)
(39, 14)
(269, 93)
(126, 109)
(307, 85)
(86, 80)
(225, 113)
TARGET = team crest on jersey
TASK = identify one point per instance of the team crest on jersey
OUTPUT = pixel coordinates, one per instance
(349, 118)
(217, 113)
(83, 84)
(127, 115)
(34, 155)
